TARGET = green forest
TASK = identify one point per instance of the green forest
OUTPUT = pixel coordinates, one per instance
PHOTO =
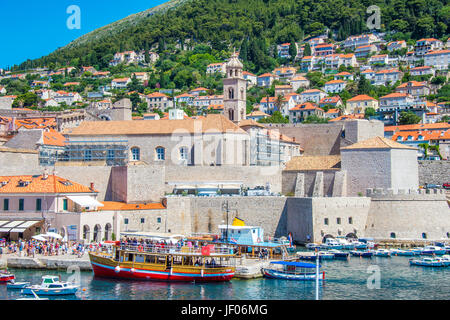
(254, 27)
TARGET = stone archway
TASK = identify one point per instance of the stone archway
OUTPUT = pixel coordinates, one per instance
(97, 233)
(108, 232)
(86, 233)
(351, 235)
(62, 232)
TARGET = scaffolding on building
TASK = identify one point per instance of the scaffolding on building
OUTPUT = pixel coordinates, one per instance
(264, 150)
(111, 152)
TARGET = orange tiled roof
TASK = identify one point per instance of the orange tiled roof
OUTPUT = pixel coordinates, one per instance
(423, 127)
(413, 84)
(427, 135)
(377, 143)
(305, 106)
(157, 95)
(213, 122)
(53, 184)
(394, 95)
(437, 52)
(54, 138)
(334, 82)
(348, 117)
(122, 206)
(362, 97)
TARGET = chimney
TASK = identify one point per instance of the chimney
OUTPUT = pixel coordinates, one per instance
(92, 186)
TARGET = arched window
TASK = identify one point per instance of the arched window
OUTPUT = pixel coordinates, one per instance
(424, 235)
(183, 153)
(135, 154)
(160, 153)
(393, 236)
(231, 114)
(231, 93)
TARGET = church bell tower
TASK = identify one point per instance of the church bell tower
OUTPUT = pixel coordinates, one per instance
(235, 91)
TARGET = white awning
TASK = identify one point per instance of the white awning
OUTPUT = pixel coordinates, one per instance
(7, 227)
(17, 225)
(3, 222)
(24, 226)
(85, 201)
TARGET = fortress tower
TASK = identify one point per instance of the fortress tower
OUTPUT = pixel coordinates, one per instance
(235, 90)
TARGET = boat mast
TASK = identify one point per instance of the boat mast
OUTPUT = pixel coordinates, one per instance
(317, 275)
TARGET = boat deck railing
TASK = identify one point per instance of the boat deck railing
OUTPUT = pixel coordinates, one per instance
(173, 249)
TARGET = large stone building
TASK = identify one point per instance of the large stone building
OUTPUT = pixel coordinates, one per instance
(380, 163)
(211, 140)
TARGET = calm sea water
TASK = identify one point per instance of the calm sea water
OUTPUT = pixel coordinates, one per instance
(344, 280)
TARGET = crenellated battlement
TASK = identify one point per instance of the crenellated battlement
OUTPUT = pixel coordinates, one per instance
(406, 194)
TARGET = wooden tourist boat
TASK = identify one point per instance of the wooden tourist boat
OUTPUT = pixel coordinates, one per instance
(152, 262)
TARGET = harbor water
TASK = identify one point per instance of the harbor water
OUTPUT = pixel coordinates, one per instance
(375, 278)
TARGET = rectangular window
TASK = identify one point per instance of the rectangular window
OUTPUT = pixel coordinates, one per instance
(38, 204)
(65, 204)
(125, 221)
(160, 154)
(325, 221)
(158, 220)
(142, 220)
(21, 204)
(338, 220)
(350, 220)
(87, 155)
(5, 204)
(110, 154)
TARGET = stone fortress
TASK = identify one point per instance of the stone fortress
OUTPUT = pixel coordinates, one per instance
(349, 181)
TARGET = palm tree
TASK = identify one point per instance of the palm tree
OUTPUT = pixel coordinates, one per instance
(279, 102)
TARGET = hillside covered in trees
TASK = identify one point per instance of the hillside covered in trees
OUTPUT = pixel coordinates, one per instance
(253, 26)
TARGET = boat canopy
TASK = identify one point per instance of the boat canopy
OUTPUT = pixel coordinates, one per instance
(296, 264)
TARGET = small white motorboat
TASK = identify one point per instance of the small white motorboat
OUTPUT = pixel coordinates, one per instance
(291, 270)
(406, 253)
(338, 254)
(427, 262)
(382, 253)
(312, 246)
(446, 259)
(51, 286)
(433, 250)
(13, 285)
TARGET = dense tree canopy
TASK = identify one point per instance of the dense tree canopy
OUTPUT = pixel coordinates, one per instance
(254, 26)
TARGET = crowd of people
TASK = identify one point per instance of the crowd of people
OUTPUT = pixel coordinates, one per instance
(52, 247)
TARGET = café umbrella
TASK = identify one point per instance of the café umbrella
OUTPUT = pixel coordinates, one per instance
(52, 235)
(39, 238)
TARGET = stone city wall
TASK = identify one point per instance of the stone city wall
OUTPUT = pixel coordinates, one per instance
(250, 176)
(315, 139)
(318, 217)
(205, 214)
(409, 216)
(289, 179)
(143, 220)
(434, 172)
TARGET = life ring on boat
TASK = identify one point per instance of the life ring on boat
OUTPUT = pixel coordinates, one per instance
(117, 269)
(259, 240)
(140, 248)
(132, 270)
